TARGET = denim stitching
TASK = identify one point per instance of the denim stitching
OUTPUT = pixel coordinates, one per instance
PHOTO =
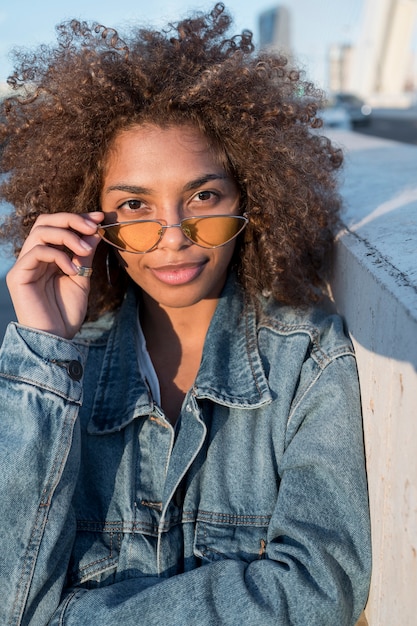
(38, 384)
(311, 384)
(232, 519)
(95, 566)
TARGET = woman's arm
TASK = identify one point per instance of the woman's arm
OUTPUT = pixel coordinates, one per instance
(40, 391)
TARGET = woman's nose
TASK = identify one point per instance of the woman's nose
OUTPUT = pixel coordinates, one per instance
(173, 236)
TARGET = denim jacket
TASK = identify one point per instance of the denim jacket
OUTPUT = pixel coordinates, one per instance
(253, 511)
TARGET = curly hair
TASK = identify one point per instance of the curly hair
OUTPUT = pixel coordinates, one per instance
(254, 107)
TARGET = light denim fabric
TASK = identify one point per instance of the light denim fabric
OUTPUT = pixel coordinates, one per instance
(253, 512)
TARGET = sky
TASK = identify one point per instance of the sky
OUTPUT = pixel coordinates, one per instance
(316, 24)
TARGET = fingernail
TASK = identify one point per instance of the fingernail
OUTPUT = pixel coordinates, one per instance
(85, 245)
(90, 222)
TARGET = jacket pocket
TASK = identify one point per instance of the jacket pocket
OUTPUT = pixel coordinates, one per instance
(242, 538)
(94, 558)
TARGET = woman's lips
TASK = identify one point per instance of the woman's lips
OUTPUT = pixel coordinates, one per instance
(180, 274)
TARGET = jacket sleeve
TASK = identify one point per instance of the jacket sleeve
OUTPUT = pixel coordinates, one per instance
(316, 567)
(40, 393)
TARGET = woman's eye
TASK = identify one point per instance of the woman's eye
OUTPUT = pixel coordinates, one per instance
(204, 195)
(133, 205)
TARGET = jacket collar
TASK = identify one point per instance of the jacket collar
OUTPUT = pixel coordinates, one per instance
(230, 374)
(231, 371)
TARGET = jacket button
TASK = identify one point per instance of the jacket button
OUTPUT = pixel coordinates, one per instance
(75, 370)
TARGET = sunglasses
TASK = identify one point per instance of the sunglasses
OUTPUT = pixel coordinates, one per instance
(141, 236)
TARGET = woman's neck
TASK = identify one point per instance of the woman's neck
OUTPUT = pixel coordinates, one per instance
(175, 340)
(182, 324)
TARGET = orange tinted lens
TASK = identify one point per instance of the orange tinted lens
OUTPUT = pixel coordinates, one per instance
(210, 232)
(134, 236)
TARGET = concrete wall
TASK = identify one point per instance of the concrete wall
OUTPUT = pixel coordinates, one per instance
(375, 288)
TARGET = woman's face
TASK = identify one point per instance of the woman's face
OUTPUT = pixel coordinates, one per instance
(169, 174)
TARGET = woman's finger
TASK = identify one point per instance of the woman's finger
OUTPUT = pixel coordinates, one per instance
(63, 229)
(31, 266)
(86, 260)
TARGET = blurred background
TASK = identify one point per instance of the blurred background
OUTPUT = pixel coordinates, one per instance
(363, 53)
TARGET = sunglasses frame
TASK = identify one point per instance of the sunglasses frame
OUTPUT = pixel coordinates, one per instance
(164, 227)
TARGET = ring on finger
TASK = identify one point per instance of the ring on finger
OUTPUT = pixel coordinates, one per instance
(84, 271)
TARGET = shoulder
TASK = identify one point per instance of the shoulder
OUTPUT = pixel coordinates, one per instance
(309, 360)
(322, 332)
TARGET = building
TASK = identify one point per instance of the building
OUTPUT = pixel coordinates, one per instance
(340, 67)
(383, 57)
(275, 30)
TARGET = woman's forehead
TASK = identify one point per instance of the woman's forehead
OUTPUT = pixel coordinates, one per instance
(148, 142)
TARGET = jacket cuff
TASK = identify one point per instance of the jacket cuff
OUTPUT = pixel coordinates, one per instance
(44, 360)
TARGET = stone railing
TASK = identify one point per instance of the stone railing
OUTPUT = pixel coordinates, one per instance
(375, 289)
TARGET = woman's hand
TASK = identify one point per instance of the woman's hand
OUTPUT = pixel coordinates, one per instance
(46, 291)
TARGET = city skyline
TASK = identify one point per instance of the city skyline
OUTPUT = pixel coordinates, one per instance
(315, 26)
(324, 48)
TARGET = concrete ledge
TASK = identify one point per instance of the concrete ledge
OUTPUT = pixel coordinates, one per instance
(375, 289)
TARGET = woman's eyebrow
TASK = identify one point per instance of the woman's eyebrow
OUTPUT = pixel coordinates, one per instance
(202, 180)
(139, 190)
(133, 189)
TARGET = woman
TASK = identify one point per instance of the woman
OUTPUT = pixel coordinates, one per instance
(180, 422)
